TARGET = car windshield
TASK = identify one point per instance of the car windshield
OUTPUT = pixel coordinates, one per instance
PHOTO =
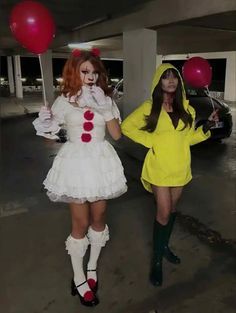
(192, 92)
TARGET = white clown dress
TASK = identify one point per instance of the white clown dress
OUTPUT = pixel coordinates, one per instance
(87, 167)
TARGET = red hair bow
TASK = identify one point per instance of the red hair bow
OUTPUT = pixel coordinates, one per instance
(95, 52)
(76, 53)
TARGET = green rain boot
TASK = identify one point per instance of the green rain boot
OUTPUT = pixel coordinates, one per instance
(158, 246)
(167, 253)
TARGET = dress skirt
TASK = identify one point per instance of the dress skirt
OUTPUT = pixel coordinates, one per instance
(85, 172)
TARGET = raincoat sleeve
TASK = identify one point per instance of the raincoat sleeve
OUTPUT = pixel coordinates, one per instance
(196, 135)
(131, 126)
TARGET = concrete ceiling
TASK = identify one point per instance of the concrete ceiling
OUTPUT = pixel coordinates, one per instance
(211, 32)
(206, 34)
(69, 15)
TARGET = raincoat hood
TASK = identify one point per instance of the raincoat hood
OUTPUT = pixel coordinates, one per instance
(159, 71)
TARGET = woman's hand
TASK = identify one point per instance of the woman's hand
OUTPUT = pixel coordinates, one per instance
(98, 95)
(85, 98)
(214, 117)
(95, 98)
(104, 103)
(45, 124)
(212, 120)
(45, 114)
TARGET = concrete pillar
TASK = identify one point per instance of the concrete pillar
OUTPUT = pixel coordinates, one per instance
(230, 77)
(18, 82)
(139, 48)
(159, 60)
(47, 75)
(10, 75)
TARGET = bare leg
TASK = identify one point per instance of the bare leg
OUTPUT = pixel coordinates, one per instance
(98, 210)
(164, 203)
(176, 193)
(79, 219)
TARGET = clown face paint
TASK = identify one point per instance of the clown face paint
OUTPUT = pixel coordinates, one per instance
(88, 75)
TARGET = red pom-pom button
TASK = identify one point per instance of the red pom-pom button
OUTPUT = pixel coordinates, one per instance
(86, 137)
(88, 115)
(88, 296)
(88, 126)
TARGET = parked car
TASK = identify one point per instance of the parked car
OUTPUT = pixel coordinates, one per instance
(203, 104)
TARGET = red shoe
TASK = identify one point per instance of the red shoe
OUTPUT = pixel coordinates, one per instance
(93, 284)
(89, 298)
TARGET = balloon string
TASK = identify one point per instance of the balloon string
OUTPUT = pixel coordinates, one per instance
(212, 103)
(43, 84)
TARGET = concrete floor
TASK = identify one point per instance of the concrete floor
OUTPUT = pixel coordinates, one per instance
(36, 271)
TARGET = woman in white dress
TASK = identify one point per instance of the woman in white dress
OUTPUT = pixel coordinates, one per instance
(86, 171)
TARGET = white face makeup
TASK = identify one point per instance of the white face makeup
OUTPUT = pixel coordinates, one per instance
(88, 74)
(169, 84)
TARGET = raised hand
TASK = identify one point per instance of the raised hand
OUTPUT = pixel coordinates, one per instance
(212, 120)
(95, 98)
(45, 114)
(86, 98)
(214, 117)
(98, 95)
(45, 124)
(105, 109)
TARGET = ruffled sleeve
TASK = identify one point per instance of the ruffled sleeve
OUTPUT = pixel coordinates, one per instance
(59, 109)
(49, 128)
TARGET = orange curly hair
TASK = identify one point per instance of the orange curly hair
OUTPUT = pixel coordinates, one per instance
(71, 82)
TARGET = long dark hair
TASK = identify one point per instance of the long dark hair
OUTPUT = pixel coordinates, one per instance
(157, 101)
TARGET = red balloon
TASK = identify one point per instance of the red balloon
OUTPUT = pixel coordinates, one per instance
(32, 25)
(197, 72)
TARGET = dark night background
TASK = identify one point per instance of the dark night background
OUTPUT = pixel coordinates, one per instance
(30, 67)
(31, 70)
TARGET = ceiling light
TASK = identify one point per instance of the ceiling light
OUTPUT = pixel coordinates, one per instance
(82, 46)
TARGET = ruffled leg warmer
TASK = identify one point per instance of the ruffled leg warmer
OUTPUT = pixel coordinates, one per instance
(97, 240)
(76, 248)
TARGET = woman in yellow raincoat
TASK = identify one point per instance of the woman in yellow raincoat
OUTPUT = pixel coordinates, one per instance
(165, 125)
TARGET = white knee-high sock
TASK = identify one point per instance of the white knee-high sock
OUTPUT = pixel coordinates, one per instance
(97, 240)
(76, 249)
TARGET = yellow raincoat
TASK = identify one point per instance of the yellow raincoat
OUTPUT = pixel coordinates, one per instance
(168, 160)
